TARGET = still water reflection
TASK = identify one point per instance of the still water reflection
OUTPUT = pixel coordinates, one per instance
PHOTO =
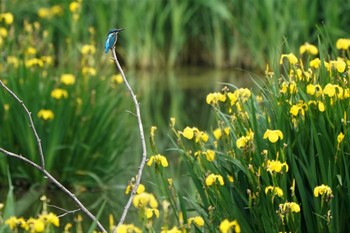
(181, 93)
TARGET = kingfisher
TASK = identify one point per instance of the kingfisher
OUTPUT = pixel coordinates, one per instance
(112, 38)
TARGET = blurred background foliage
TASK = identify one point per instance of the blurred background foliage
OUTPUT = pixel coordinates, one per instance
(160, 34)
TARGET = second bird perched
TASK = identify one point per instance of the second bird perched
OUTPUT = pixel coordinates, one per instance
(112, 38)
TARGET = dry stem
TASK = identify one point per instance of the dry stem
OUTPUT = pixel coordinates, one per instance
(142, 136)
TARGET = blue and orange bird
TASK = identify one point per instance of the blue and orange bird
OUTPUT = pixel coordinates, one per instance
(112, 38)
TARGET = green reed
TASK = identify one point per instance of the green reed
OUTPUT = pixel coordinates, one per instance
(167, 34)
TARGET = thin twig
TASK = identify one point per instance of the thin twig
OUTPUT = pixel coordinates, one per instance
(131, 113)
(143, 142)
(29, 114)
(64, 210)
(42, 167)
(57, 183)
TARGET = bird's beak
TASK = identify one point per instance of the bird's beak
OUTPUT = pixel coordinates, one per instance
(119, 30)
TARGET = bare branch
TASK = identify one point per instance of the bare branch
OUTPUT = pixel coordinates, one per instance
(142, 136)
(65, 212)
(29, 114)
(131, 113)
(57, 183)
(42, 167)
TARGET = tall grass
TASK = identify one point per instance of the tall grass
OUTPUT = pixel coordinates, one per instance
(273, 162)
(73, 108)
(276, 162)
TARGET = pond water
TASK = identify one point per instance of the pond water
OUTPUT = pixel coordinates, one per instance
(181, 93)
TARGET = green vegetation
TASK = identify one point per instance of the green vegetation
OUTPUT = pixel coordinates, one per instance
(274, 161)
(158, 33)
(73, 112)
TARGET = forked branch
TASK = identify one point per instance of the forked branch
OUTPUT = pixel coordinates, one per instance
(42, 166)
